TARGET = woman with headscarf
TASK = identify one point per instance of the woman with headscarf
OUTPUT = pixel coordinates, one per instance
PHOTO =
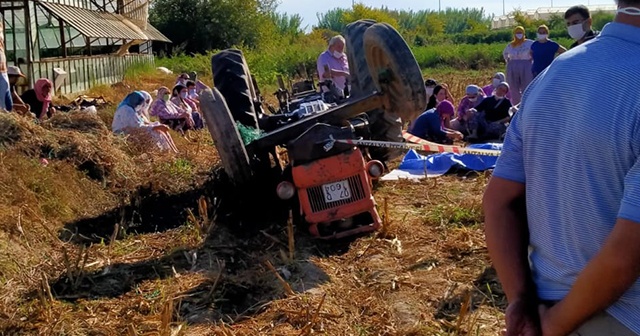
(432, 124)
(490, 118)
(130, 116)
(169, 113)
(497, 78)
(544, 50)
(180, 97)
(473, 97)
(517, 55)
(147, 106)
(39, 98)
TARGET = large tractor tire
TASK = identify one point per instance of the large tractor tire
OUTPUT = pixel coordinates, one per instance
(385, 126)
(226, 137)
(360, 78)
(232, 78)
(395, 71)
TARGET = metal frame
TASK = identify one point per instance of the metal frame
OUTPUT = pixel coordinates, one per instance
(331, 116)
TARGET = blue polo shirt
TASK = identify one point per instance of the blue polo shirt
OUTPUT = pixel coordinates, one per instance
(543, 54)
(584, 175)
(428, 126)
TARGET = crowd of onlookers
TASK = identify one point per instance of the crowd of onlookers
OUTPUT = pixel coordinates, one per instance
(177, 109)
(483, 114)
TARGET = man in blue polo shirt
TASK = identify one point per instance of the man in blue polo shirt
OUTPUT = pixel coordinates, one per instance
(562, 210)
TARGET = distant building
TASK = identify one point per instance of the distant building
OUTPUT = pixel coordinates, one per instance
(77, 43)
(544, 13)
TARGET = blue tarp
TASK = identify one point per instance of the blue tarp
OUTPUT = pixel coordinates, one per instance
(441, 163)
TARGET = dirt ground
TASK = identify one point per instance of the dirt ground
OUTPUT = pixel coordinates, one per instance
(186, 265)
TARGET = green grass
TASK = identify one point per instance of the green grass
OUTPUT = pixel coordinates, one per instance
(286, 60)
(138, 70)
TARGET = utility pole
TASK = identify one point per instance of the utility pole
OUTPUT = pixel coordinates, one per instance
(439, 6)
(503, 12)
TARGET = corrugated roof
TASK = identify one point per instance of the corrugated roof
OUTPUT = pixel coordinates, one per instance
(96, 24)
(155, 35)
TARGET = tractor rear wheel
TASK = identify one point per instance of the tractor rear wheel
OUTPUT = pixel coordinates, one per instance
(226, 137)
(395, 71)
(385, 126)
(232, 78)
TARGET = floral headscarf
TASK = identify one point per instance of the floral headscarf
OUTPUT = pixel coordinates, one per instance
(41, 95)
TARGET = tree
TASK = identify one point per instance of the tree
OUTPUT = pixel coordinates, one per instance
(203, 25)
(288, 25)
(331, 20)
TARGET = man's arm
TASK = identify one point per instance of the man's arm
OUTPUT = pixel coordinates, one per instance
(507, 236)
(607, 276)
(339, 73)
(320, 68)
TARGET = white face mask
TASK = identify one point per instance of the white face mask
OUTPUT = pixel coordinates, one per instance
(495, 82)
(473, 100)
(629, 11)
(576, 32)
(542, 37)
(338, 54)
(429, 91)
(519, 36)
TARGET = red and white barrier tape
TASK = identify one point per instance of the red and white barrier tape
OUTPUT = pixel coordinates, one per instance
(418, 144)
(435, 147)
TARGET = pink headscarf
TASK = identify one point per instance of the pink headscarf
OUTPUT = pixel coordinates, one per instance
(41, 95)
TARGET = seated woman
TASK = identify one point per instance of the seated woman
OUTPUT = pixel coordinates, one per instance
(192, 92)
(39, 99)
(430, 125)
(440, 93)
(169, 113)
(181, 99)
(129, 116)
(489, 120)
(474, 96)
(498, 78)
(15, 74)
(430, 85)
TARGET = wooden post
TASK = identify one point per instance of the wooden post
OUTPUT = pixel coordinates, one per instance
(63, 42)
(88, 41)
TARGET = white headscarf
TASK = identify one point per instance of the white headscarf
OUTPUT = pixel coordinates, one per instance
(147, 104)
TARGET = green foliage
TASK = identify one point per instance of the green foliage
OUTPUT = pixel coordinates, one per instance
(600, 18)
(290, 25)
(197, 26)
(331, 20)
(275, 43)
(136, 70)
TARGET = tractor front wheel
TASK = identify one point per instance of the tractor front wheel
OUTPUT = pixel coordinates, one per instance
(226, 137)
(395, 71)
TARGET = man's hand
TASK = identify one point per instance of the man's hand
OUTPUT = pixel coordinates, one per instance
(546, 323)
(522, 319)
(162, 128)
(455, 135)
(339, 73)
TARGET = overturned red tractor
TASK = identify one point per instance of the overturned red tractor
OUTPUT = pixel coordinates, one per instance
(327, 183)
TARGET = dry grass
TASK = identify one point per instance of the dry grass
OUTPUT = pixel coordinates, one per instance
(426, 273)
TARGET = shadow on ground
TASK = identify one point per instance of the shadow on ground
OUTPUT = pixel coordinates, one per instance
(486, 291)
(233, 258)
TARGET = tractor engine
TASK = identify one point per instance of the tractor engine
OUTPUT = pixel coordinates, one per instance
(332, 181)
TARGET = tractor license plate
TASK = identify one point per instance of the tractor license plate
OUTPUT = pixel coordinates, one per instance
(336, 191)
